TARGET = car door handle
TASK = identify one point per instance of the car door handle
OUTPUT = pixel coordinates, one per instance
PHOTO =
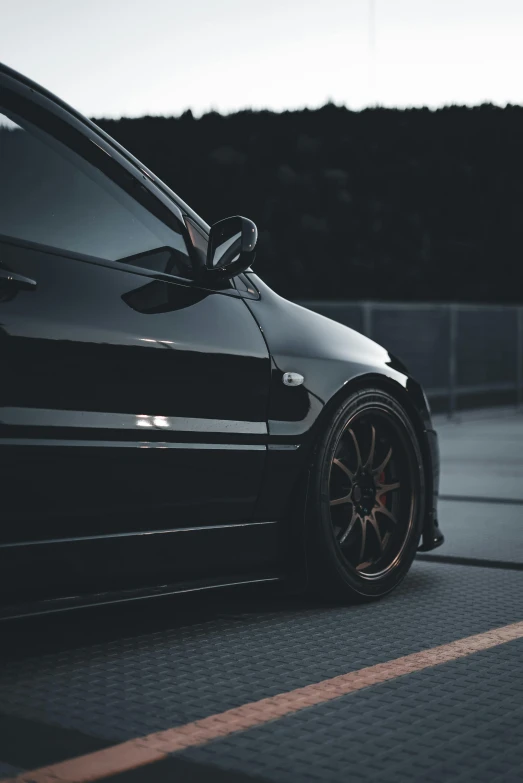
(17, 281)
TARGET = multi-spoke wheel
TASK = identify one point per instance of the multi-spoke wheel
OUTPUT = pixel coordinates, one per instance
(367, 499)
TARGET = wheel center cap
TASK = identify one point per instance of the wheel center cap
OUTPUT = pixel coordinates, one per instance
(364, 493)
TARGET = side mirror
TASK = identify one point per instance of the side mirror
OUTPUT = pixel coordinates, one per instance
(231, 249)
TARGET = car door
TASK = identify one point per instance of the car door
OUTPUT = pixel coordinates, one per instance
(132, 400)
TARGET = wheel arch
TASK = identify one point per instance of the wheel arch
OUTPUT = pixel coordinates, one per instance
(371, 380)
(299, 563)
(407, 398)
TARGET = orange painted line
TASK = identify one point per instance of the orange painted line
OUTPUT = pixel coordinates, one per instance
(154, 747)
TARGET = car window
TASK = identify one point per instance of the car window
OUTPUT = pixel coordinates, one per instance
(72, 196)
(200, 241)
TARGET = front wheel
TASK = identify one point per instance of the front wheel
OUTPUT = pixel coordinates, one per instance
(366, 499)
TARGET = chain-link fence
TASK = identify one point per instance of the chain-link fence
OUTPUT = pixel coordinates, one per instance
(465, 355)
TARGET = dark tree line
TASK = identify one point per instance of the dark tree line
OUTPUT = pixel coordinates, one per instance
(381, 204)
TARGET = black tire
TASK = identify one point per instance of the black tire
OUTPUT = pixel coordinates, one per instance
(363, 523)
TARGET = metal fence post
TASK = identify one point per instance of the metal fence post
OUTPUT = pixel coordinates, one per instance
(453, 338)
(519, 357)
(367, 319)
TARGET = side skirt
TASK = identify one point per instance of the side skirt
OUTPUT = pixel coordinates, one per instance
(104, 569)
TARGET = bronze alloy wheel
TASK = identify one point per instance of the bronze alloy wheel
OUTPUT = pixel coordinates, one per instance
(367, 502)
(371, 492)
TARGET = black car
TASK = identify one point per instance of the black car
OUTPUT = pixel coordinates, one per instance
(167, 421)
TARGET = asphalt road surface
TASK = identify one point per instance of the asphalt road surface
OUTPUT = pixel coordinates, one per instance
(481, 505)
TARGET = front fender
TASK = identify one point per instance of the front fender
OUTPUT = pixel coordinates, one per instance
(328, 354)
(334, 360)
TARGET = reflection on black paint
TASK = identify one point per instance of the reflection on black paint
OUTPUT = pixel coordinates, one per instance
(96, 338)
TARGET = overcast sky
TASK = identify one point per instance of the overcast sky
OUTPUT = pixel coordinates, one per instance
(134, 57)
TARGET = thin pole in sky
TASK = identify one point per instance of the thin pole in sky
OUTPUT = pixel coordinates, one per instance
(372, 53)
